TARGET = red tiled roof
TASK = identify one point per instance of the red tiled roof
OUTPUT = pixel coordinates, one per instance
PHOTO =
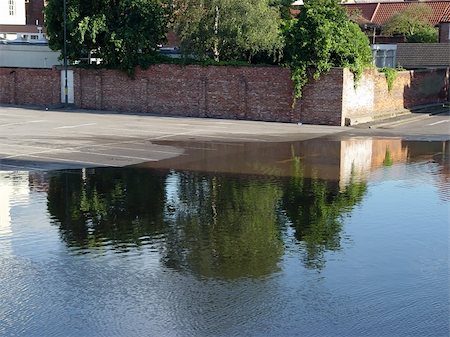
(379, 13)
(366, 11)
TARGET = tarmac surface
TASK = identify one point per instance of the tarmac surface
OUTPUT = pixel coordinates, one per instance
(37, 139)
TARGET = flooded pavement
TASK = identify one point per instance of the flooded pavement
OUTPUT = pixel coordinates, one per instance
(322, 237)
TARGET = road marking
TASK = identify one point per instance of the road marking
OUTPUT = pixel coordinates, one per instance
(21, 123)
(114, 156)
(435, 123)
(74, 126)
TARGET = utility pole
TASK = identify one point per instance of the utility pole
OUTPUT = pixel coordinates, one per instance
(66, 89)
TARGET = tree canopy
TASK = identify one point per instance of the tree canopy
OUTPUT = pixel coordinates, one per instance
(324, 37)
(123, 33)
(413, 23)
(229, 30)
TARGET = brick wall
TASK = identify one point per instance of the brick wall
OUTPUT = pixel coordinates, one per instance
(258, 93)
(254, 93)
(321, 101)
(371, 99)
(29, 86)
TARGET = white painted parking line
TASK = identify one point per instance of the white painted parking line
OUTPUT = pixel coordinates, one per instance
(115, 156)
(56, 151)
(130, 149)
(440, 122)
(23, 123)
(74, 126)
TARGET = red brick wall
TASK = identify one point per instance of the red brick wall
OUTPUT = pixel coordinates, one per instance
(321, 101)
(258, 93)
(254, 93)
(29, 86)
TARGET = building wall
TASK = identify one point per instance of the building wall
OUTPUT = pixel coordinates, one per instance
(253, 93)
(18, 15)
(28, 55)
(34, 12)
(444, 32)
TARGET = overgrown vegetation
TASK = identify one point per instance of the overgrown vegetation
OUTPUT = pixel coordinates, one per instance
(323, 37)
(391, 75)
(124, 34)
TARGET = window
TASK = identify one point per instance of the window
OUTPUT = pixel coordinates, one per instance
(384, 55)
(12, 7)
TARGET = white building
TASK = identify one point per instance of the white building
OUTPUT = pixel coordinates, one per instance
(12, 12)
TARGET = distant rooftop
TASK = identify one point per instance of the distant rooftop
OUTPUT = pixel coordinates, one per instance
(379, 13)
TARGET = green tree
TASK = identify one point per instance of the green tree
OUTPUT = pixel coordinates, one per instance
(228, 30)
(123, 33)
(323, 37)
(413, 23)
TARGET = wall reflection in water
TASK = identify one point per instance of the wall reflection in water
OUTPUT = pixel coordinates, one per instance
(227, 218)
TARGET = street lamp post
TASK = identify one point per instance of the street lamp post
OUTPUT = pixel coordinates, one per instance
(66, 89)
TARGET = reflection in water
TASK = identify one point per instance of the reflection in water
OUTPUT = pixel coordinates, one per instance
(225, 227)
(213, 225)
(132, 252)
(315, 208)
(216, 225)
(108, 207)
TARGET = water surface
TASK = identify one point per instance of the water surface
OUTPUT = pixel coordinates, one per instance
(319, 238)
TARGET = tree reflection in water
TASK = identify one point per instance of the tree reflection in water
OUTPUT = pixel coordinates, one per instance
(210, 224)
(315, 208)
(225, 227)
(117, 207)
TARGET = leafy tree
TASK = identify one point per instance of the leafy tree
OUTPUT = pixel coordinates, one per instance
(228, 30)
(413, 23)
(323, 37)
(123, 33)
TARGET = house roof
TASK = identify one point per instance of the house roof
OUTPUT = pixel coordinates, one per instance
(380, 12)
(423, 55)
(20, 29)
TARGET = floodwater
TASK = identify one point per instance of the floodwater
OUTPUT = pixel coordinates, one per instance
(319, 238)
